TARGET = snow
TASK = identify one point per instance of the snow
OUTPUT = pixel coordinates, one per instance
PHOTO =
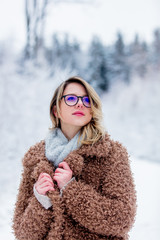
(130, 116)
(147, 180)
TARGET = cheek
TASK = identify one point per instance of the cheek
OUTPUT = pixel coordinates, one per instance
(89, 112)
(89, 116)
(64, 111)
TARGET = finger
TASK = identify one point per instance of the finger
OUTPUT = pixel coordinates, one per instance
(46, 184)
(42, 175)
(46, 189)
(60, 170)
(64, 165)
(45, 179)
(56, 178)
(46, 175)
(57, 175)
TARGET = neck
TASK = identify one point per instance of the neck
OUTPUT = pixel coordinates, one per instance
(69, 131)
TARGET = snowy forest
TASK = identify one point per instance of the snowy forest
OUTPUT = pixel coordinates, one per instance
(125, 74)
(101, 65)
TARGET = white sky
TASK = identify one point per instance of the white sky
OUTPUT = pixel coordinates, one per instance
(104, 18)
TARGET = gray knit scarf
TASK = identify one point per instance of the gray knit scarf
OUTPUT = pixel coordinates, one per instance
(57, 146)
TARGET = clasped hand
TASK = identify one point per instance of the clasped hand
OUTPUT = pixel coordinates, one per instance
(62, 176)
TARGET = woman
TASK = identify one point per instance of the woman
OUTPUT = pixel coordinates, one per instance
(77, 183)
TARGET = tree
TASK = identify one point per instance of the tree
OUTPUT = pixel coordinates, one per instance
(138, 56)
(64, 54)
(119, 67)
(35, 14)
(53, 54)
(97, 69)
(156, 48)
(119, 45)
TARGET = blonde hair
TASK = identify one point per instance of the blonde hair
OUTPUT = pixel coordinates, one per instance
(94, 130)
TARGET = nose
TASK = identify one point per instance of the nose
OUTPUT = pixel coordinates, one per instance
(80, 103)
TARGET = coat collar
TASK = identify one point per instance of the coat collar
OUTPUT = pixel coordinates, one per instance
(75, 159)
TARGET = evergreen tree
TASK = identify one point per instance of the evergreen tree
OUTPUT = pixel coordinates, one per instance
(156, 48)
(53, 54)
(97, 66)
(56, 51)
(138, 56)
(70, 53)
(119, 45)
(64, 54)
(118, 64)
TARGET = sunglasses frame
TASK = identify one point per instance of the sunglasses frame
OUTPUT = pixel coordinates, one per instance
(78, 97)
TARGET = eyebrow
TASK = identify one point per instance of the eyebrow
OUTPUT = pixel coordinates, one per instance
(76, 94)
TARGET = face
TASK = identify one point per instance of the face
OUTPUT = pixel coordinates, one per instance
(75, 116)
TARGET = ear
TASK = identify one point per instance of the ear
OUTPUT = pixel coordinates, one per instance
(54, 110)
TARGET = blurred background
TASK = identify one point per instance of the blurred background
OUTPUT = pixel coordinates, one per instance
(115, 46)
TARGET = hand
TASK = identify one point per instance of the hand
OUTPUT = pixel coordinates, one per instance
(44, 184)
(63, 174)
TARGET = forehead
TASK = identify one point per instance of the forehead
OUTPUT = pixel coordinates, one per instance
(75, 88)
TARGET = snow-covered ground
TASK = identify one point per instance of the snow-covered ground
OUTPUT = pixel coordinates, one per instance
(147, 180)
(131, 115)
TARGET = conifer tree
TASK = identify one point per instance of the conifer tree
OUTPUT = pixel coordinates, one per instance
(97, 69)
(119, 65)
(138, 56)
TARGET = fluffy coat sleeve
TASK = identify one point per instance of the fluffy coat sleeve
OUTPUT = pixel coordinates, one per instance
(31, 220)
(112, 210)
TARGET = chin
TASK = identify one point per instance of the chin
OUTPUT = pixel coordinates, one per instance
(81, 124)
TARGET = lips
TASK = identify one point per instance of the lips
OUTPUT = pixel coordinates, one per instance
(78, 113)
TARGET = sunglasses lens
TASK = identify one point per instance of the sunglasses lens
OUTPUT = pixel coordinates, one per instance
(71, 100)
(86, 101)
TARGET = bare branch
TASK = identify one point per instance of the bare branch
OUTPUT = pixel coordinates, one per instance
(35, 12)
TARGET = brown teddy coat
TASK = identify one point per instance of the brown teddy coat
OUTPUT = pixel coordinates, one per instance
(99, 204)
